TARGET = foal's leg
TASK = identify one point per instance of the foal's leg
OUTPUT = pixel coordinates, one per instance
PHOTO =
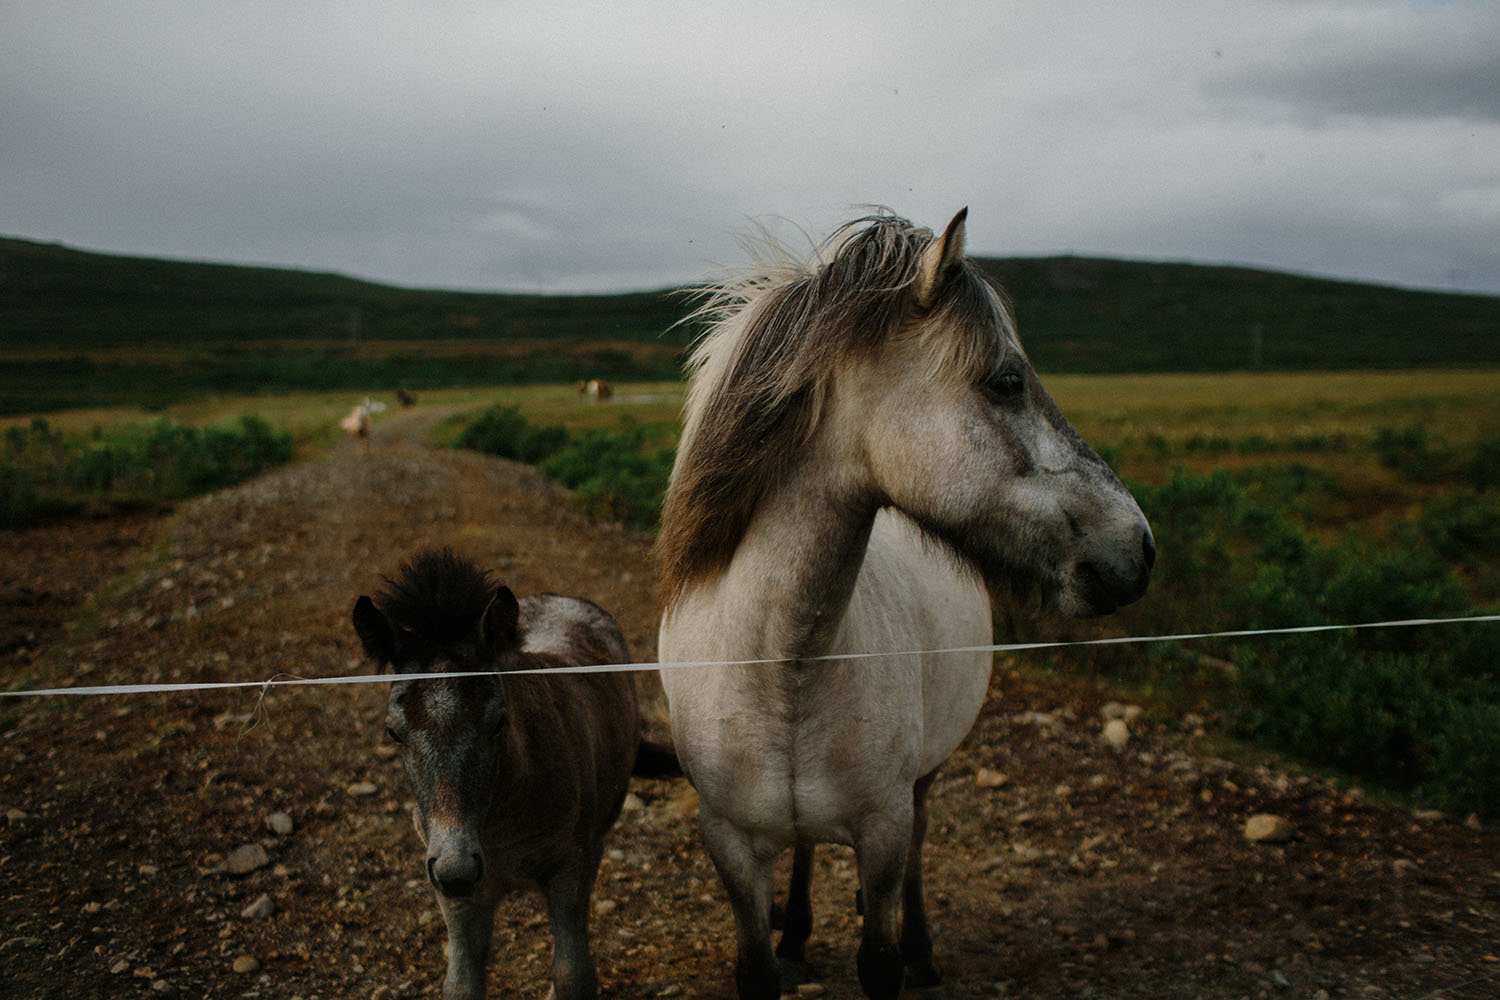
(880, 850)
(746, 875)
(573, 974)
(470, 922)
(916, 939)
(792, 951)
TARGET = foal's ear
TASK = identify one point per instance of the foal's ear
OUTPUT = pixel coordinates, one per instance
(498, 626)
(375, 632)
(939, 260)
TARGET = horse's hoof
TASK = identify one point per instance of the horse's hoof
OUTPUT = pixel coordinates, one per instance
(925, 978)
(793, 974)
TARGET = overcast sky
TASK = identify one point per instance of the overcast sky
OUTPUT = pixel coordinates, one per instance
(560, 147)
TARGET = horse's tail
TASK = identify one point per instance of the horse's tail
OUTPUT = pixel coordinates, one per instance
(656, 760)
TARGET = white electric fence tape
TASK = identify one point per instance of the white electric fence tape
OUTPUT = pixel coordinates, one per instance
(593, 668)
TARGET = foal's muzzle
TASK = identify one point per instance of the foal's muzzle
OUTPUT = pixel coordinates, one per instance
(456, 875)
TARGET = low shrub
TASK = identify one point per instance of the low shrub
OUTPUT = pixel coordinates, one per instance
(504, 431)
(42, 474)
(614, 475)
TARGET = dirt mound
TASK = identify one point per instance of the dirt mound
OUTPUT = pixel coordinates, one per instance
(139, 856)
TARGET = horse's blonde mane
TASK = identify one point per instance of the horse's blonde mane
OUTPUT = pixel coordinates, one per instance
(775, 335)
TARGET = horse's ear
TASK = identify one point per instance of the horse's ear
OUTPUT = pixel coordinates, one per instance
(375, 632)
(939, 260)
(498, 626)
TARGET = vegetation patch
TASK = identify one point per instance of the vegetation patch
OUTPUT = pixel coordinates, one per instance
(46, 473)
(616, 475)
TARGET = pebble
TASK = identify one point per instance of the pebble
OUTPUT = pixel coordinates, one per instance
(263, 907)
(633, 803)
(986, 778)
(811, 990)
(246, 859)
(1116, 733)
(14, 815)
(361, 789)
(1266, 828)
(280, 824)
(604, 907)
(247, 965)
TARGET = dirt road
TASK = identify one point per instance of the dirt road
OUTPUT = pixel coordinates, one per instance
(1058, 866)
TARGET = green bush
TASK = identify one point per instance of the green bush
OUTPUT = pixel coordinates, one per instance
(46, 475)
(1380, 703)
(1409, 452)
(613, 475)
(504, 431)
(1483, 466)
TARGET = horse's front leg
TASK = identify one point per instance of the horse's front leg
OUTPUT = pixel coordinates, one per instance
(792, 950)
(470, 922)
(880, 850)
(573, 974)
(916, 937)
(746, 874)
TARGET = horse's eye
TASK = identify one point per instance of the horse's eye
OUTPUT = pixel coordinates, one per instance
(1004, 386)
(392, 735)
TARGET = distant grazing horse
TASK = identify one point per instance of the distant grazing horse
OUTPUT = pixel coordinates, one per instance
(864, 443)
(595, 389)
(357, 425)
(517, 777)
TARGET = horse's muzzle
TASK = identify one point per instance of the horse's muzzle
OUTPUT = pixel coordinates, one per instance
(455, 875)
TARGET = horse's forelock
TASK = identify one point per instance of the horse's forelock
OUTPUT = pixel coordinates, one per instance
(437, 596)
(757, 377)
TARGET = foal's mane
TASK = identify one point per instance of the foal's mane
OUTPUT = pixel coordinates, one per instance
(437, 595)
(758, 376)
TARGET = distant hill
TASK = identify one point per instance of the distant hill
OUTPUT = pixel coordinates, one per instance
(1075, 313)
(56, 295)
(1090, 315)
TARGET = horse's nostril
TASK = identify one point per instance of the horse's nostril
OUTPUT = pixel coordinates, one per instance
(455, 879)
(1148, 549)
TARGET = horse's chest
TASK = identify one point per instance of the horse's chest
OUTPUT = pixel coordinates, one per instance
(805, 767)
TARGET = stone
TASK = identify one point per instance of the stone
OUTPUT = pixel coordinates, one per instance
(247, 965)
(633, 803)
(263, 907)
(604, 907)
(361, 789)
(1266, 828)
(1116, 733)
(280, 824)
(246, 859)
(986, 778)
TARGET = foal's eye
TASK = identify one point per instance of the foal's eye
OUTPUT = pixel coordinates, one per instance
(392, 735)
(1004, 386)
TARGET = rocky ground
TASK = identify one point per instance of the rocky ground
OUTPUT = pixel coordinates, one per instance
(250, 843)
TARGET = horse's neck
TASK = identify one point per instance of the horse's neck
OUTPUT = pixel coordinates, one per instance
(793, 573)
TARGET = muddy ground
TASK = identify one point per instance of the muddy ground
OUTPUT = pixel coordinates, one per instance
(1057, 865)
